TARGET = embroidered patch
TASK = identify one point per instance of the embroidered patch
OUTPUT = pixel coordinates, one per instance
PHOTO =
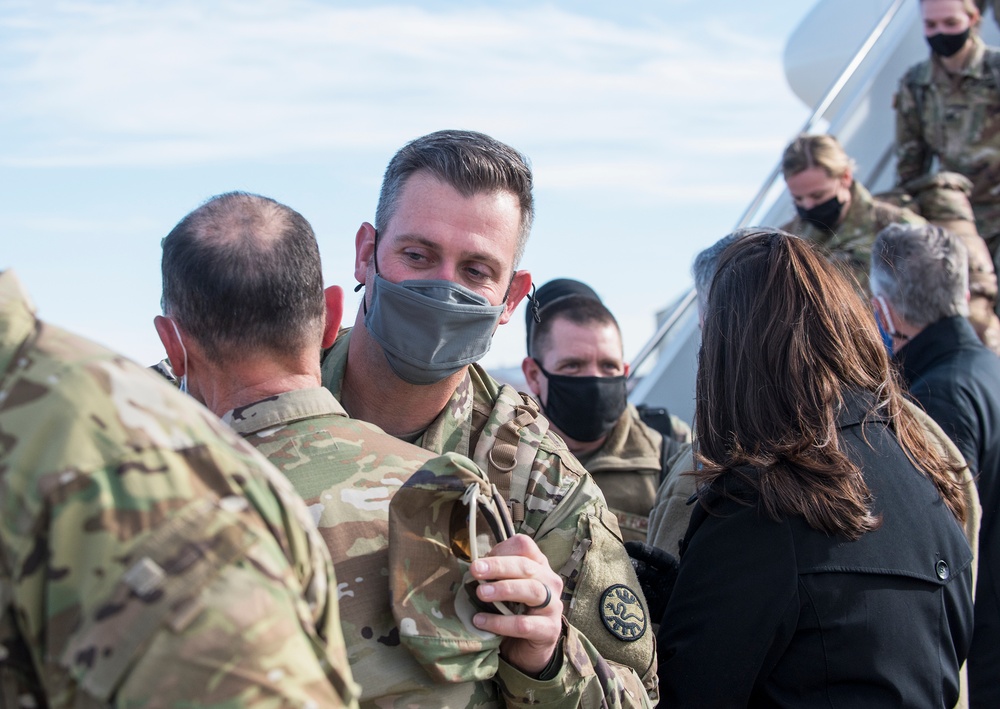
(622, 613)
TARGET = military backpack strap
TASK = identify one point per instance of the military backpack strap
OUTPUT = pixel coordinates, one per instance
(918, 86)
(503, 458)
(993, 62)
(658, 418)
(668, 448)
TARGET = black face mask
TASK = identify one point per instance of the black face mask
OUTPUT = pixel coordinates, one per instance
(948, 45)
(825, 215)
(584, 408)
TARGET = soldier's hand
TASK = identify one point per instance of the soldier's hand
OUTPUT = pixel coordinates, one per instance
(516, 571)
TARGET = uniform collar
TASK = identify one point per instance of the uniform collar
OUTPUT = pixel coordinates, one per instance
(630, 445)
(451, 430)
(859, 213)
(283, 409)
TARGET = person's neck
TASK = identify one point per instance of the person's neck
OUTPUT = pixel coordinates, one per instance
(904, 334)
(372, 392)
(236, 385)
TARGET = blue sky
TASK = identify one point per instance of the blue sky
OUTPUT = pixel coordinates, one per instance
(650, 125)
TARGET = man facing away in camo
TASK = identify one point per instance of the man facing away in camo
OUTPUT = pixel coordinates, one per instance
(440, 273)
(242, 283)
(148, 556)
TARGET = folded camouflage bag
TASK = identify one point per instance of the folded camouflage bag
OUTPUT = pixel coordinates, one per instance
(440, 521)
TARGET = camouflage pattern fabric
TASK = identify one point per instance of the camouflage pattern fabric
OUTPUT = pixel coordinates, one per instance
(566, 515)
(668, 520)
(348, 472)
(850, 247)
(627, 468)
(431, 549)
(957, 120)
(148, 557)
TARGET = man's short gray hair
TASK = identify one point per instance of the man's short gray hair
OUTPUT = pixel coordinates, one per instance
(707, 261)
(923, 271)
(471, 163)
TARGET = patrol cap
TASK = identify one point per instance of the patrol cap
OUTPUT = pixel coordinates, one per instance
(552, 291)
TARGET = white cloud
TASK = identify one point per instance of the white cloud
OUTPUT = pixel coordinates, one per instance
(180, 83)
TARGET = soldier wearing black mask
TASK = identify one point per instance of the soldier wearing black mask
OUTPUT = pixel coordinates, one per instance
(575, 368)
(834, 210)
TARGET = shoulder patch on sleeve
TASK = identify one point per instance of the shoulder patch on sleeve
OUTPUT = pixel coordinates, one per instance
(622, 613)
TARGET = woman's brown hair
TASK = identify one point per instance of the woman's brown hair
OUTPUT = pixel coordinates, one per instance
(785, 338)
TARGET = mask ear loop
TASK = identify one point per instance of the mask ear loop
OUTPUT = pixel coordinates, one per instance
(888, 320)
(183, 384)
(535, 317)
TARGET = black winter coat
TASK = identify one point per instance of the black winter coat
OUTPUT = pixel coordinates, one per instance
(957, 381)
(777, 614)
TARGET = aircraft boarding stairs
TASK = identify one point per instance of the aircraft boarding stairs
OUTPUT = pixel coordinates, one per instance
(845, 59)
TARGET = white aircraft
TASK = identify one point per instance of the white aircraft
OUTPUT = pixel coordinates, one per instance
(845, 60)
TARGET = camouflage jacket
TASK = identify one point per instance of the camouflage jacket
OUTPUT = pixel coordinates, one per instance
(565, 513)
(668, 520)
(347, 471)
(627, 468)
(148, 556)
(850, 247)
(957, 120)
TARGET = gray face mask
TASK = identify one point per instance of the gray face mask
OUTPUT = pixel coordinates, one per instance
(430, 329)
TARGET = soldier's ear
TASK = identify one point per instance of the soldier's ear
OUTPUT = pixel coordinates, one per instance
(520, 284)
(364, 250)
(847, 179)
(532, 374)
(171, 343)
(334, 296)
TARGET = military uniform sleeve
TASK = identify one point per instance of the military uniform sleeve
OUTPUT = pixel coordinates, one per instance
(913, 155)
(671, 513)
(585, 679)
(610, 646)
(156, 563)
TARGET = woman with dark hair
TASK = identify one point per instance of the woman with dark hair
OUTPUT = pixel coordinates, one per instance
(824, 564)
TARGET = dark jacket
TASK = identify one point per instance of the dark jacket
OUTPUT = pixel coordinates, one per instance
(777, 614)
(957, 380)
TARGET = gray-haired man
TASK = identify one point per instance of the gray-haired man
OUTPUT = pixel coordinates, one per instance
(919, 283)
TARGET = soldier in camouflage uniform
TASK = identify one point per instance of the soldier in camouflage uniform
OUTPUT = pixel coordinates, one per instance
(819, 174)
(264, 380)
(439, 270)
(148, 557)
(835, 211)
(948, 107)
(576, 369)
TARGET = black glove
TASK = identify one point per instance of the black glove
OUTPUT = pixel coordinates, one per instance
(657, 572)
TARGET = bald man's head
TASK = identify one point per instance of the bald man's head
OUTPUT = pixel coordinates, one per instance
(242, 274)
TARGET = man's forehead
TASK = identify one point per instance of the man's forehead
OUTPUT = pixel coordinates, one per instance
(432, 212)
(567, 338)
